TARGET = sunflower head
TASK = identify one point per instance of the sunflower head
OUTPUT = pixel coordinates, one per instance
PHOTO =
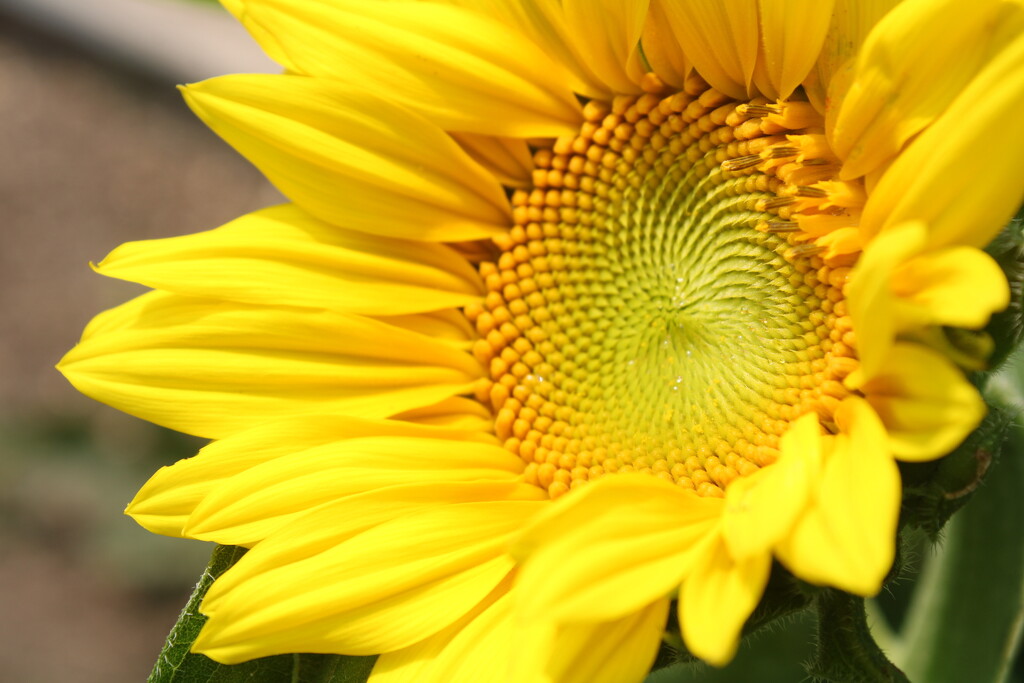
(657, 306)
(728, 252)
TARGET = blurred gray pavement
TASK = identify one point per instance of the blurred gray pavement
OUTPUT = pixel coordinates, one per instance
(175, 40)
(96, 148)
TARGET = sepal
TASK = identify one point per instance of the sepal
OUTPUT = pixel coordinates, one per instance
(847, 652)
(1007, 328)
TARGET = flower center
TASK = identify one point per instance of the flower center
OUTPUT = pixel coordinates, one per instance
(656, 306)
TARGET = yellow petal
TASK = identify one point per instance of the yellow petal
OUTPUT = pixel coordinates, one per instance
(852, 20)
(792, 34)
(507, 159)
(662, 50)
(448, 326)
(761, 508)
(283, 256)
(165, 502)
(896, 289)
(914, 63)
(462, 70)
(321, 529)
(476, 648)
(605, 652)
(716, 600)
(869, 292)
(457, 412)
(721, 38)
(962, 175)
(544, 23)
(606, 33)
(927, 406)
(848, 538)
(254, 503)
(353, 159)
(213, 368)
(611, 548)
(384, 589)
(969, 350)
(959, 287)
(841, 242)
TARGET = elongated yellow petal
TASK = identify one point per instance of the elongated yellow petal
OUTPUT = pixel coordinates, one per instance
(283, 256)
(852, 20)
(606, 34)
(586, 561)
(662, 50)
(792, 34)
(927, 406)
(325, 526)
(212, 368)
(914, 63)
(716, 600)
(721, 38)
(869, 292)
(760, 509)
(860, 494)
(616, 651)
(381, 590)
(478, 647)
(975, 149)
(463, 70)
(353, 159)
(254, 503)
(841, 242)
(457, 412)
(895, 289)
(959, 286)
(544, 23)
(848, 538)
(165, 502)
(448, 326)
(507, 159)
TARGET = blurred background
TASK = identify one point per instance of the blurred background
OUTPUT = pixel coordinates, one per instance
(96, 149)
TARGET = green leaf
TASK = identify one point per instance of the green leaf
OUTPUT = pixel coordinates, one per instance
(177, 665)
(966, 617)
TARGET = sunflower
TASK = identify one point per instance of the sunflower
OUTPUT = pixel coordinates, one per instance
(577, 309)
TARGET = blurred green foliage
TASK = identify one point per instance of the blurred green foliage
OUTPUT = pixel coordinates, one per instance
(64, 483)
